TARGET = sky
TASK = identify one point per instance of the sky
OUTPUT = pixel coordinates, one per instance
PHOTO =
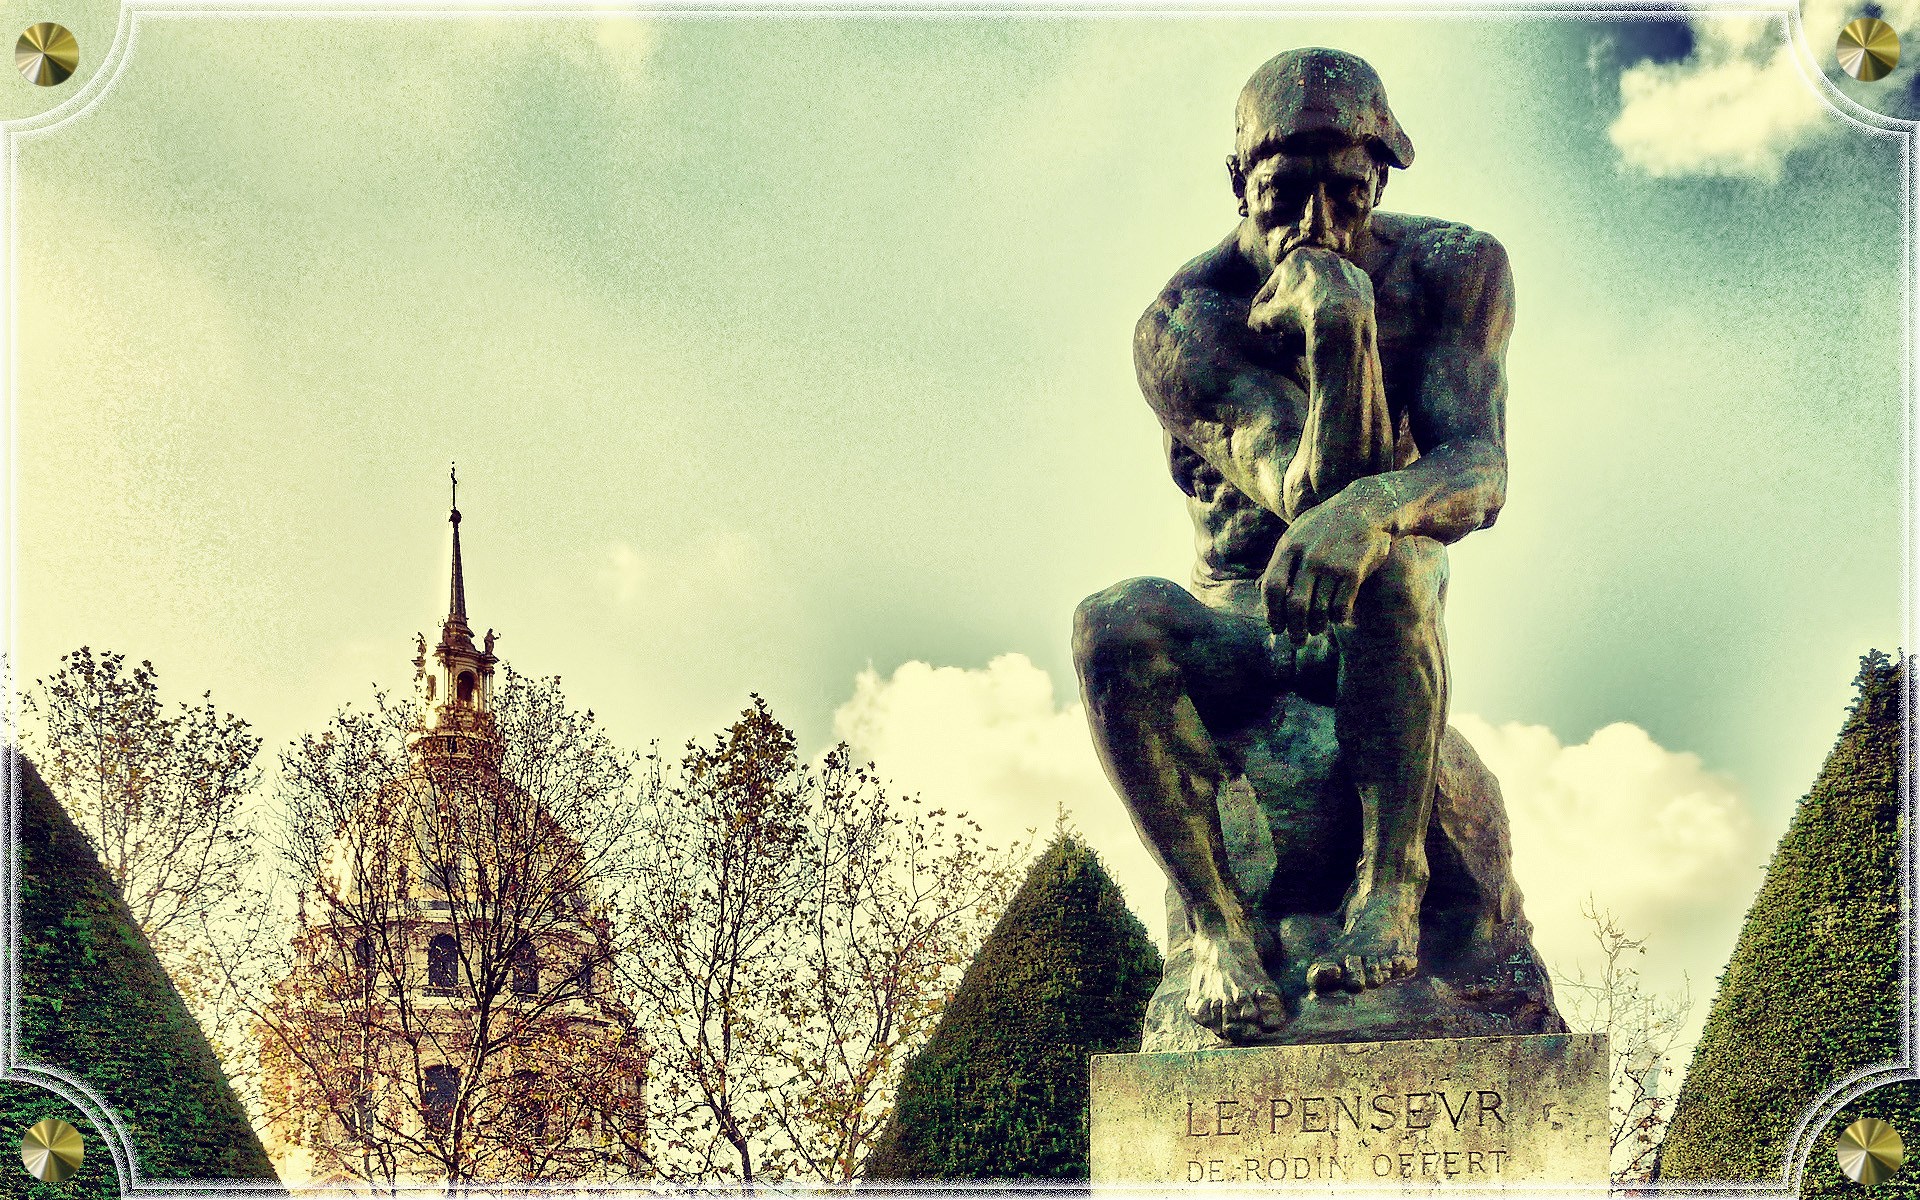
(790, 354)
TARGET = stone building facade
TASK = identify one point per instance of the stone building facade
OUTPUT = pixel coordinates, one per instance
(450, 1010)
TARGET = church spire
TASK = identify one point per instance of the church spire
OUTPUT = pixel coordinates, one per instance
(457, 606)
(465, 676)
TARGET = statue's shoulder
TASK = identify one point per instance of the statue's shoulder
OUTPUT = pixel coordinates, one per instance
(1443, 256)
(1201, 308)
(1221, 271)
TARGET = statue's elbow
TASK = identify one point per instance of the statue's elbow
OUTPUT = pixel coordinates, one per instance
(1495, 500)
(1154, 342)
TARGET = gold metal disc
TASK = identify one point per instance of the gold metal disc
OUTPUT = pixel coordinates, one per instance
(1868, 49)
(1870, 1150)
(46, 54)
(51, 1150)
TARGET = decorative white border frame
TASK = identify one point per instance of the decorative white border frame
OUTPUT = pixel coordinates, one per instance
(133, 13)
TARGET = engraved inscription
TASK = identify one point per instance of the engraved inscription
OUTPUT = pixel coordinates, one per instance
(1227, 1116)
(1446, 1164)
(1418, 1117)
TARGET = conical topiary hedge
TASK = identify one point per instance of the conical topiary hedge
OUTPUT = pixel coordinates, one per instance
(96, 1004)
(1812, 993)
(1000, 1089)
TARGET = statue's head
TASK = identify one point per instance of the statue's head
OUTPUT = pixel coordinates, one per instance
(1313, 141)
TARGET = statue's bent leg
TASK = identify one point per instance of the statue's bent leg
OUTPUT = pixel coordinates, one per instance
(1151, 659)
(1390, 715)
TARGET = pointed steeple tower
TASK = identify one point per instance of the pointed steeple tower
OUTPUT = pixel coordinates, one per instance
(457, 605)
(465, 676)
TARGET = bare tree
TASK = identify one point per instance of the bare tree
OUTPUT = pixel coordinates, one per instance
(446, 1009)
(159, 793)
(797, 934)
(1643, 1034)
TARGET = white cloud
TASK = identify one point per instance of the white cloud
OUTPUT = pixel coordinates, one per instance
(994, 744)
(1734, 117)
(1650, 833)
(1666, 845)
(1741, 102)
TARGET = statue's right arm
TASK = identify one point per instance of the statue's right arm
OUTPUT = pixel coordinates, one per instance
(1199, 368)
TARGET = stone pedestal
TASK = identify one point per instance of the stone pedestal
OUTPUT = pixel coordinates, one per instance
(1410, 1116)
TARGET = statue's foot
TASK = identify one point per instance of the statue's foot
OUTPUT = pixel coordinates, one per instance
(1230, 992)
(1381, 943)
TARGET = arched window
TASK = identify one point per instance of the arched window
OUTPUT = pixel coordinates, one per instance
(363, 954)
(466, 687)
(526, 968)
(443, 962)
(583, 978)
(437, 1101)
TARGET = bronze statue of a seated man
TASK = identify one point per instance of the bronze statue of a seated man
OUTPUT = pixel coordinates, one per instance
(1330, 380)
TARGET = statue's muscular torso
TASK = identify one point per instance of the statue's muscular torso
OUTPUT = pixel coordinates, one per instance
(1193, 347)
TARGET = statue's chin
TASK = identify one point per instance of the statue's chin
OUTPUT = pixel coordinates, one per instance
(1286, 241)
(1343, 249)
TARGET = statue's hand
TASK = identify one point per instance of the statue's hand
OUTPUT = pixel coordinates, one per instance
(1311, 285)
(1314, 576)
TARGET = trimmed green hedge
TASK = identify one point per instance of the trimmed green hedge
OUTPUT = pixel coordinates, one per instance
(1000, 1089)
(95, 1003)
(1813, 989)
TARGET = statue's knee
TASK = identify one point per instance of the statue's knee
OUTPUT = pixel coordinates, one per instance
(1408, 588)
(1122, 630)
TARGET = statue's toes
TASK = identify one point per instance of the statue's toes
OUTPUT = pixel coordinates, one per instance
(1261, 1010)
(1324, 976)
(1253, 1017)
(1240, 1015)
(1239, 1022)
(1273, 1012)
(1357, 970)
(1205, 1013)
(1404, 966)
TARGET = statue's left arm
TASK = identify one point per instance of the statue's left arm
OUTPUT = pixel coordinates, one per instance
(1457, 414)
